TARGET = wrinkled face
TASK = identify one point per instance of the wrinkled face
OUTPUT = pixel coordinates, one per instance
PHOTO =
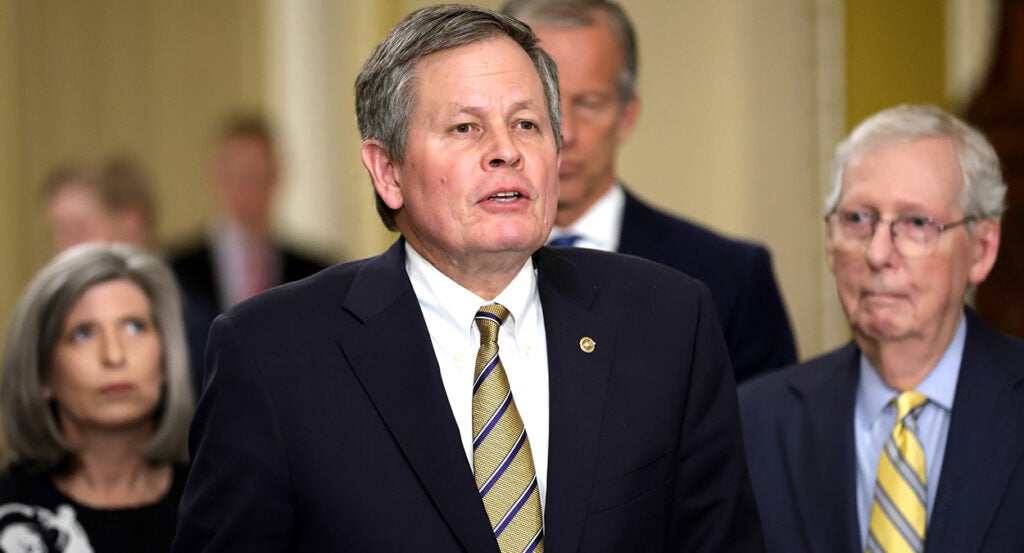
(594, 120)
(76, 215)
(888, 296)
(106, 372)
(480, 171)
(244, 177)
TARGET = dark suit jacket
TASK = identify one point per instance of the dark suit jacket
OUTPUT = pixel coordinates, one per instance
(798, 425)
(325, 426)
(193, 268)
(739, 274)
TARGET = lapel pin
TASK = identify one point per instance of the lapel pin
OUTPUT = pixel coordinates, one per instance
(587, 344)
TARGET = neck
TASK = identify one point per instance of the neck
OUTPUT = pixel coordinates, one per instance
(486, 275)
(903, 364)
(568, 213)
(110, 470)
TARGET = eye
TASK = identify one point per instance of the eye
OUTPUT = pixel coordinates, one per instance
(855, 217)
(526, 125)
(80, 333)
(462, 128)
(136, 326)
(916, 221)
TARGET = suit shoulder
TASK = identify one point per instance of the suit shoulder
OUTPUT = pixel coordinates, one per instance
(796, 380)
(622, 268)
(294, 305)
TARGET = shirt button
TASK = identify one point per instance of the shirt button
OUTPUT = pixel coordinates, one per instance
(458, 357)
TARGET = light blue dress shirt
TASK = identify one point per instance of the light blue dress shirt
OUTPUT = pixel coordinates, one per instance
(874, 419)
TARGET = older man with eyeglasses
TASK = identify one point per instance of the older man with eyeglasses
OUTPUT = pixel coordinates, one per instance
(910, 437)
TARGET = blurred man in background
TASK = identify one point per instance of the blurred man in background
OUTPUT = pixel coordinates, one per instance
(110, 200)
(594, 45)
(237, 257)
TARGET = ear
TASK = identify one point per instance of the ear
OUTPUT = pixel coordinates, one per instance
(628, 119)
(984, 249)
(383, 172)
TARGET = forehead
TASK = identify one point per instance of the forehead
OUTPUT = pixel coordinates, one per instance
(923, 173)
(582, 51)
(482, 72)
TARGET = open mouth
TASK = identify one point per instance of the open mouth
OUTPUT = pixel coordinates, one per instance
(505, 196)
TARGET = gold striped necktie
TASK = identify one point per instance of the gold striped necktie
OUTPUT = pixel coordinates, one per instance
(502, 460)
(899, 512)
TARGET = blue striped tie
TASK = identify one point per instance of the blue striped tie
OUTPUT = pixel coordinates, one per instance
(502, 460)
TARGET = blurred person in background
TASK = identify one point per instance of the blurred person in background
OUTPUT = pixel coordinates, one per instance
(96, 402)
(595, 46)
(237, 256)
(110, 200)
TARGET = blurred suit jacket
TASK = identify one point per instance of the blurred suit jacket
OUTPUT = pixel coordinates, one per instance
(739, 275)
(193, 267)
(325, 426)
(798, 425)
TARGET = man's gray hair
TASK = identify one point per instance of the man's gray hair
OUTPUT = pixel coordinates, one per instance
(984, 191)
(585, 13)
(385, 87)
(32, 433)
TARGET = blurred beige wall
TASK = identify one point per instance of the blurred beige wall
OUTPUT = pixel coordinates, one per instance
(742, 103)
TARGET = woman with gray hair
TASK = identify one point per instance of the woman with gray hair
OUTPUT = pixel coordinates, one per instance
(96, 401)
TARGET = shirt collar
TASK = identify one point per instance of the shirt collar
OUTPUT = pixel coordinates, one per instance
(939, 386)
(459, 306)
(600, 227)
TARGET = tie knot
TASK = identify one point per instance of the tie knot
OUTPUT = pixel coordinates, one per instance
(565, 240)
(908, 403)
(488, 319)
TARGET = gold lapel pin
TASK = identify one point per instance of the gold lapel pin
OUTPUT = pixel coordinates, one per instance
(587, 344)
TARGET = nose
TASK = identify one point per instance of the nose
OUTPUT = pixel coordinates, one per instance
(881, 248)
(113, 351)
(503, 150)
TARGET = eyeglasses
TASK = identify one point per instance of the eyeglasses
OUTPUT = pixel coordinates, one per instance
(912, 235)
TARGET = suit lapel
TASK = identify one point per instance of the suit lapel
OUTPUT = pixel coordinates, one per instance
(818, 449)
(578, 382)
(391, 355)
(984, 445)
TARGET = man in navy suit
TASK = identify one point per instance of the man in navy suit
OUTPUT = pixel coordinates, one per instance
(913, 227)
(340, 412)
(236, 257)
(594, 45)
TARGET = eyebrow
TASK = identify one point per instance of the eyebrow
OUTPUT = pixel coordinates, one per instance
(476, 110)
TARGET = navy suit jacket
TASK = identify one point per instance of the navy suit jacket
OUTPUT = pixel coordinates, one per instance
(739, 275)
(193, 268)
(324, 424)
(798, 425)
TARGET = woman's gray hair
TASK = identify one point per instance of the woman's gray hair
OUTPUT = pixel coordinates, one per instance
(984, 191)
(585, 13)
(385, 87)
(30, 427)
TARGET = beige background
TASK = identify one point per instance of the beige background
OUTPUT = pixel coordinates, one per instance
(742, 103)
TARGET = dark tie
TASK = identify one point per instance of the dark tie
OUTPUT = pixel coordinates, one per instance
(502, 460)
(565, 240)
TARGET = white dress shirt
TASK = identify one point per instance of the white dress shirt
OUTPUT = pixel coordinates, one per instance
(449, 311)
(601, 226)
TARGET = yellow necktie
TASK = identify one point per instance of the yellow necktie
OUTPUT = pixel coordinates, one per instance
(502, 460)
(899, 512)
